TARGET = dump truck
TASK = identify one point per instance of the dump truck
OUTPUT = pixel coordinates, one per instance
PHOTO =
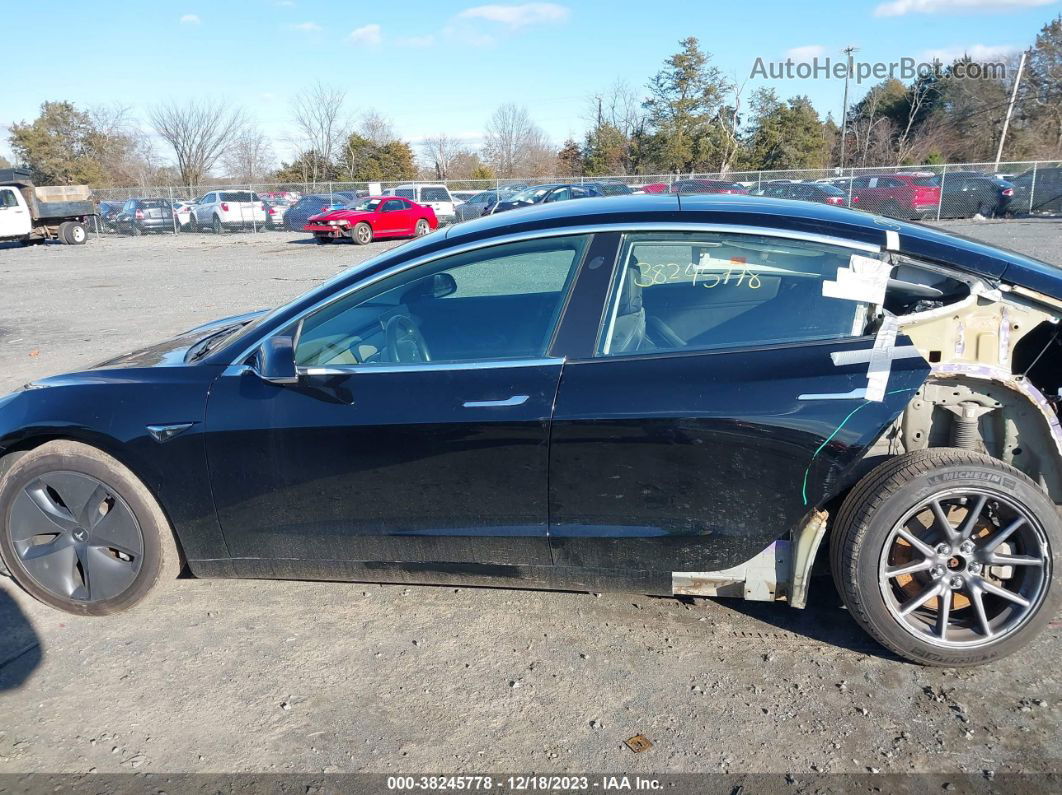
(32, 214)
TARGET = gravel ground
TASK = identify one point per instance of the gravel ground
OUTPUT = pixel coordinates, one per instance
(245, 676)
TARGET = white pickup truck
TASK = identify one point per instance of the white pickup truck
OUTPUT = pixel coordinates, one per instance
(31, 214)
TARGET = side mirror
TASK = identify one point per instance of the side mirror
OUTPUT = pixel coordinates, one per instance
(438, 285)
(275, 361)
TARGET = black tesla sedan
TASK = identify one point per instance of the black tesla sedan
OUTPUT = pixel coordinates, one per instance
(663, 393)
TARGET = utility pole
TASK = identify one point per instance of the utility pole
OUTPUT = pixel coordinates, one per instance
(844, 111)
(1010, 110)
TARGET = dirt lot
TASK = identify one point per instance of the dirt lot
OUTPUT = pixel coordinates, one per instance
(222, 676)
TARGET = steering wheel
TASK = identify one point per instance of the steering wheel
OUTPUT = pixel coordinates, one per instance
(404, 342)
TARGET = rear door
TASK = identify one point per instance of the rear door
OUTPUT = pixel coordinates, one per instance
(706, 417)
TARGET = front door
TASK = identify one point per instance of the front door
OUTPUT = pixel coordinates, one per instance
(14, 217)
(418, 430)
(709, 416)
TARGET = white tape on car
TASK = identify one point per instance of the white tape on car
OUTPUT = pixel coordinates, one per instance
(865, 279)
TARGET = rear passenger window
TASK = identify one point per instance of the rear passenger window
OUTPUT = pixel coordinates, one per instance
(434, 195)
(690, 291)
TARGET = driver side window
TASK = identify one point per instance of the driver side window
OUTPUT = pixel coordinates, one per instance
(496, 303)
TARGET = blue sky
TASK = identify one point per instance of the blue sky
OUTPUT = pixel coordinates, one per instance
(445, 66)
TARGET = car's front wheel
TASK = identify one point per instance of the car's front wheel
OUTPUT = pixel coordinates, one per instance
(81, 532)
(948, 557)
(362, 234)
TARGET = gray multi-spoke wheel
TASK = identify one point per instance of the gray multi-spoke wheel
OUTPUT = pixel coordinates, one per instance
(75, 536)
(948, 557)
(362, 234)
(422, 228)
(79, 531)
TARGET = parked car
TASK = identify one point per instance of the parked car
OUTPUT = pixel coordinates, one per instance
(435, 196)
(1038, 191)
(612, 188)
(707, 186)
(139, 216)
(806, 191)
(107, 210)
(183, 210)
(965, 194)
(481, 204)
(545, 194)
(221, 210)
(275, 210)
(553, 396)
(908, 196)
(296, 216)
(373, 218)
(656, 187)
(462, 196)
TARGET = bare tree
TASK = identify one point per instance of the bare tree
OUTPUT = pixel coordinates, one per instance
(376, 128)
(441, 150)
(251, 156)
(199, 133)
(125, 151)
(319, 116)
(514, 145)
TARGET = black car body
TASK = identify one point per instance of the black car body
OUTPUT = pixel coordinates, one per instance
(965, 194)
(1038, 190)
(298, 214)
(671, 394)
(546, 194)
(483, 203)
(139, 216)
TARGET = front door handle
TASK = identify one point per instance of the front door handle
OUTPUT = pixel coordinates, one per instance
(515, 400)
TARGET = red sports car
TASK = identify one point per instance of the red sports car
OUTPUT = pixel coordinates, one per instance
(372, 217)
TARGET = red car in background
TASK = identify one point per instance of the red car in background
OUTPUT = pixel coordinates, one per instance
(655, 187)
(371, 218)
(897, 195)
(708, 186)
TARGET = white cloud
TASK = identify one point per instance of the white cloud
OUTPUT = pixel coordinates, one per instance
(366, 34)
(416, 41)
(898, 8)
(519, 15)
(190, 19)
(977, 52)
(306, 27)
(805, 54)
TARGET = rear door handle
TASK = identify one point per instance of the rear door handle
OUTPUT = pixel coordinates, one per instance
(515, 400)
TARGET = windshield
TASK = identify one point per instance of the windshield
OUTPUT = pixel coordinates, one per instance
(239, 196)
(529, 195)
(927, 182)
(364, 205)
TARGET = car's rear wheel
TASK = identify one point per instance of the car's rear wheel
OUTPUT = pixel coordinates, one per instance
(422, 228)
(80, 532)
(948, 557)
(218, 227)
(362, 233)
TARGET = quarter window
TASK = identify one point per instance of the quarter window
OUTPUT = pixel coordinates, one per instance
(679, 291)
(496, 303)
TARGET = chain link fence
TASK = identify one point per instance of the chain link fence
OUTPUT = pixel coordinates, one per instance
(927, 192)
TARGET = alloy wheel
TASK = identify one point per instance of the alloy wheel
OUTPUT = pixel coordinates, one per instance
(75, 536)
(965, 568)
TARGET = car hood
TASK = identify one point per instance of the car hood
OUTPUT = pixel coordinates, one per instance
(172, 352)
(341, 215)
